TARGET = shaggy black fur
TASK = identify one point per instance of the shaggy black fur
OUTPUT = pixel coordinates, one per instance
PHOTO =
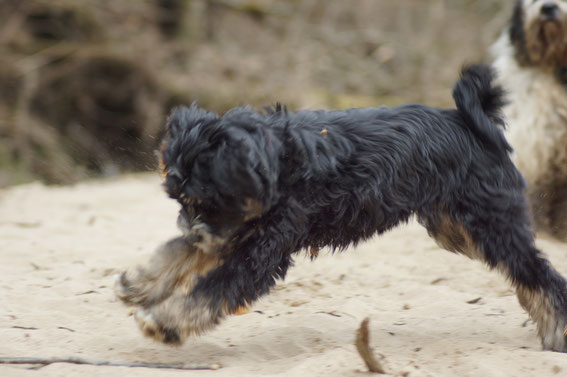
(264, 186)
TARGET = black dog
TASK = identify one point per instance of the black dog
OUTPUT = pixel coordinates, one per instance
(255, 188)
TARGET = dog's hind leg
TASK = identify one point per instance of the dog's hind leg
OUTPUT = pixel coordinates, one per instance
(503, 238)
(175, 265)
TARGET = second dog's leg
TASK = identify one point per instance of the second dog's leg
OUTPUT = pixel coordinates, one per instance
(558, 213)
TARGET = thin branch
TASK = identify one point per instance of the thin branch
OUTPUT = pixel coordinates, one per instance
(78, 360)
(363, 347)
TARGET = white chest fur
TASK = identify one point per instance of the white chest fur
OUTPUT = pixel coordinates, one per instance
(536, 116)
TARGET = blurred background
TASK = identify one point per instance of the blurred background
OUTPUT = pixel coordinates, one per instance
(85, 85)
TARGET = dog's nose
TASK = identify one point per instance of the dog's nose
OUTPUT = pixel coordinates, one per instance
(549, 9)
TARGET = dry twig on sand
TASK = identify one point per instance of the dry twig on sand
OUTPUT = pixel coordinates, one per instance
(76, 360)
(363, 347)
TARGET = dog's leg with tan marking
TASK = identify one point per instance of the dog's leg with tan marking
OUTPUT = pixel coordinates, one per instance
(175, 264)
(222, 292)
(247, 273)
(502, 238)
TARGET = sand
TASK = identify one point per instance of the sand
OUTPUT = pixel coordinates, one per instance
(431, 313)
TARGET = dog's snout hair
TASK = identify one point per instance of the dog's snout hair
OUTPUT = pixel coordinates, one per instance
(537, 32)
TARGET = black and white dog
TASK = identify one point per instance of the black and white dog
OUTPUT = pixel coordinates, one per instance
(256, 188)
(531, 60)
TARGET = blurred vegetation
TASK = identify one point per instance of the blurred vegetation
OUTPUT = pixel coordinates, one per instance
(85, 85)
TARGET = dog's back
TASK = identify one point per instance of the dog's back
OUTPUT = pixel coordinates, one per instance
(478, 100)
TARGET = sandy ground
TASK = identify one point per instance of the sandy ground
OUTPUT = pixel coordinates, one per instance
(432, 313)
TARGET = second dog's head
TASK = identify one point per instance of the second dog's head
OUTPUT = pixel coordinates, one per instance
(222, 170)
(538, 32)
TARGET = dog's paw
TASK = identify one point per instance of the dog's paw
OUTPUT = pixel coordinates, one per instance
(177, 318)
(124, 290)
(554, 337)
(140, 288)
(152, 328)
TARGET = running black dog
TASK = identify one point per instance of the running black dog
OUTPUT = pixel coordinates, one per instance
(255, 188)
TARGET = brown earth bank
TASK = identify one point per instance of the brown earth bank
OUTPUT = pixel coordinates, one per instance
(85, 85)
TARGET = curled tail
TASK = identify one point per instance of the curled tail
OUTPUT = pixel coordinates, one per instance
(480, 102)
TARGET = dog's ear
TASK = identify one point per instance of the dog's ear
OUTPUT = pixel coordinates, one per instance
(245, 161)
(183, 119)
(181, 144)
(517, 34)
(516, 31)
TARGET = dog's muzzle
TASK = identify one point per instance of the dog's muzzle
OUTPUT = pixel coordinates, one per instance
(550, 11)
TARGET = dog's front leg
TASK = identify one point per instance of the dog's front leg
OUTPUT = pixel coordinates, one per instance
(246, 274)
(176, 265)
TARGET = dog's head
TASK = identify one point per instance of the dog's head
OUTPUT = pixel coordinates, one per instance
(538, 32)
(222, 170)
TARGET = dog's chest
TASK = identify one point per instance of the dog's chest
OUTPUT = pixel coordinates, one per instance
(536, 116)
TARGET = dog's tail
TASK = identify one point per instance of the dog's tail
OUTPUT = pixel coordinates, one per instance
(480, 102)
